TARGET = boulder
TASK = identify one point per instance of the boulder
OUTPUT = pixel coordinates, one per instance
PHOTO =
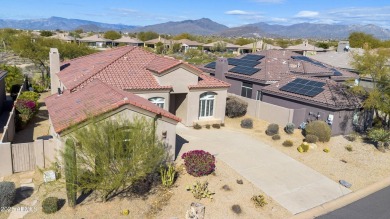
(196, 211)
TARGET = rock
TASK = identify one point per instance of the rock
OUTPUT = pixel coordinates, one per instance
(313, 146)
(196, 211)
(345, 183)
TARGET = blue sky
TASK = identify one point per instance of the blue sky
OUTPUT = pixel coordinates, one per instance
(228, 12)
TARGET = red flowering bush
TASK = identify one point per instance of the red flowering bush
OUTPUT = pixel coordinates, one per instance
(199, 162)
(26, 108)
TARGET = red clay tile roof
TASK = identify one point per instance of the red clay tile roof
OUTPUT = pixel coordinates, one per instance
(335, 95)
(94, 99)
(127, 68)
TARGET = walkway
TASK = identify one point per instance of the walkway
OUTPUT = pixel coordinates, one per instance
(292, 184)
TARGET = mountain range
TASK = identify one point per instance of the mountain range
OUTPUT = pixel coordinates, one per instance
(205, 26)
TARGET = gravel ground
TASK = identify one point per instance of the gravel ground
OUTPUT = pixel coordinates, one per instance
(363, 166)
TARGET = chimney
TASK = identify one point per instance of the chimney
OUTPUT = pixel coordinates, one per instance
(221, 67)
(55, 65)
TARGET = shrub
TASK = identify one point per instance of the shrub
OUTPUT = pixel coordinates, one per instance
(320, 129)
(38, 88)
(305, 147)
(239, 181)
(226, 188)
(216, 126)
(272, 129)
(7, 194)
(168, 175)
(289, 129)
(200, 190)
(300, 149)
(276, 137)
(26, 109)
(199, 162)
(29, 95)
(247, 123)
(207, 126)
(288, 143)
(311, 138)
(197, 126)
(235, 107)
(50, 205)
(222, 124)
(259, 200)
(236, 209)
(326, 150)
(349, 148)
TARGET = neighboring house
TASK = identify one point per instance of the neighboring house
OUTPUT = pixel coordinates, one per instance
(152, 43)
(187, 44)
(252, 47)
(3, 74)
(65, 38)
(305, 48)
(229, 47)
(96, 41)
(250, 74)
(125, 40)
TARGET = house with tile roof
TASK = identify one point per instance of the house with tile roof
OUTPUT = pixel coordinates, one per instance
(258, 76)
(130, 81)
(229, 46)
(126, 40)
(96, 41)
(305, 48)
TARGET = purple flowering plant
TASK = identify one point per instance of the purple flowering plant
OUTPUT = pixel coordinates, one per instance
(199, 162)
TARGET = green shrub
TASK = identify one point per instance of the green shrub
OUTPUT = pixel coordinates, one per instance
(247, 123)
(207, 126)
(7, 194)
(276, 137)
(320, 129)
(326, 150)
(305, 147)
(289, 129)
(216, 126)
(199, 162)
(235, 107)
(272, 129)
(168, 175)
(349, 148)
(311, 138)
(200, 190)
(300, 149)
(38, 88)
(222, 124)
(259, 200)
(50, 205)
(197, 126)
(29, 95)
(288, 143)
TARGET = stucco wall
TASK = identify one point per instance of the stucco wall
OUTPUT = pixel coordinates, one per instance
(5, 159)
(164, 95)
(193, 107)
(2, 94)
(342, 119)
(179, 79)
(236, 86)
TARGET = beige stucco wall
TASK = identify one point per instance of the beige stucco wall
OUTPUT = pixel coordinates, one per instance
(5, 159)
(163, 94)
(179, 79)
(193, 107)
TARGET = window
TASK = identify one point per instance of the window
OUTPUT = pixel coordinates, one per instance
(246, 90)
(206, 104)
(259, 95)
(159, 101)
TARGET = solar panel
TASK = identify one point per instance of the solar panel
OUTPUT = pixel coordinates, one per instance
(253, 57)
(244, 70)
(304, 87)
(304, 58)
(242, 62)
(210, 65)
(336, 72)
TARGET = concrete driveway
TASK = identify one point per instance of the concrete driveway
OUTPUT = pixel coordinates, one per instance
(292, 184)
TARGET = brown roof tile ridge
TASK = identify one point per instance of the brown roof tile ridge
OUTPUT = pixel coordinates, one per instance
(102, 68)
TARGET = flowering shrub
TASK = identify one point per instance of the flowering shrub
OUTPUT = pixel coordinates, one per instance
(25, 107)
(199, 162)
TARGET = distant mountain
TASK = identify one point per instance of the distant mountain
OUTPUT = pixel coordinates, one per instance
(305, 30)
(54, 23)
(202, 26)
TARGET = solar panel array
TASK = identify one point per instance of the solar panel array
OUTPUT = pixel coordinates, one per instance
(304, 58)
(242, 62)
(210, 65)
(253, 57)
(304, 87)
(244, 70)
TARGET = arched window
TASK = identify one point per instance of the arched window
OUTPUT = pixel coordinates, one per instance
(206, 104)
(159, 101)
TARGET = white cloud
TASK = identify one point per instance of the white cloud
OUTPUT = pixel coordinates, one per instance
(238, 12)
(307, 14)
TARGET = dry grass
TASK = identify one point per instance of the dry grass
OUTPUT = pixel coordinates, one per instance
(364, 165)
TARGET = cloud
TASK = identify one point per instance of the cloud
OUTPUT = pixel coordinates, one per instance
(269, 1)
(307, 14)
(238, 12)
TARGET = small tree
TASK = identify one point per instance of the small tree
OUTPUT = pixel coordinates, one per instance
(219, 47)
(380, 136)
(13, 77)
(117, 154)
(69, 156)
(46, 33)
(112, 35)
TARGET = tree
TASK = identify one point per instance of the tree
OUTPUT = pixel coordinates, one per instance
(219, 47)
(112, 35)
(13, 77)
(243, 41)
(359, 39)
(322, 45)
(145, 36)
(160, 48)
(112, 155)
(374, 64)
(69, 157)
(46, 33)
(184, 36)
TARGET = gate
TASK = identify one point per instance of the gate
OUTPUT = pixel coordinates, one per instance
(23, 157)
